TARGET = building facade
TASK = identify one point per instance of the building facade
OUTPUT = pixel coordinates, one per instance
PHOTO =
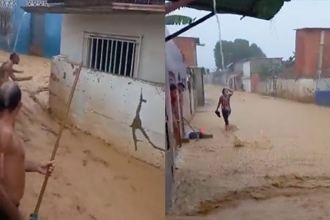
(309, 59)
(120, 94)
(188, 48)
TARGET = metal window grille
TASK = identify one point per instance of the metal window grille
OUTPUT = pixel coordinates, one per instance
(112, 54)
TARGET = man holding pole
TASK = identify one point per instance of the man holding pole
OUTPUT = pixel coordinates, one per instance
(12, 155)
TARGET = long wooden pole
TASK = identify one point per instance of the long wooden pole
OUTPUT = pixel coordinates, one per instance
(57, 143)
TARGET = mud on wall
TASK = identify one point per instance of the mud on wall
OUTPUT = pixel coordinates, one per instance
(126, 113)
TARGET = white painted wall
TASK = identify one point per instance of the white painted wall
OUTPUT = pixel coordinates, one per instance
(149, 27)
(247, 84)
(246, 70)
(105, 105)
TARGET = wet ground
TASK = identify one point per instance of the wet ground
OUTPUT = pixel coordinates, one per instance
(273, 163)
(91, 181)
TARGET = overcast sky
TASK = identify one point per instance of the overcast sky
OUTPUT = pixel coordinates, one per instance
(276, 37)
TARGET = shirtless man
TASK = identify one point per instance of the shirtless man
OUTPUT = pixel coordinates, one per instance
(12, 155)
(7, 70)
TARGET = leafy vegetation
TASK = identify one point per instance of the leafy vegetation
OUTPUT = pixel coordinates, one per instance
(178, 20)
(237, 50)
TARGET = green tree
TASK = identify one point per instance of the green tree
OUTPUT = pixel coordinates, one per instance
(237, 50)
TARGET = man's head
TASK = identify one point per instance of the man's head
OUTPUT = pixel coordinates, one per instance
(181, 87)
(10, 98)
(14, 57)
(173, 90)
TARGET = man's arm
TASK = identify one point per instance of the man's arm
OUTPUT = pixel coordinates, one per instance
(6, 205)
(231, 92)
(14, 78)
(16, 71)
(42, 168)
(31, 166)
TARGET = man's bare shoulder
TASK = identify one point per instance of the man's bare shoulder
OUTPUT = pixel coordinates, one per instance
(6, 138)
(6, 65)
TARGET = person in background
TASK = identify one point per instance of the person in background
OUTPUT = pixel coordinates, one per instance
(175, 110)
(224, 102)
(7, 70)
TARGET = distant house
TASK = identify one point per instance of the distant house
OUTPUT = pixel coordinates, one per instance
(36, 34)
(254, 67)
(120, 95)
(311, 45)
(188, 48)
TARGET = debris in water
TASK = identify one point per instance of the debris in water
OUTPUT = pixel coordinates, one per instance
(237, 142)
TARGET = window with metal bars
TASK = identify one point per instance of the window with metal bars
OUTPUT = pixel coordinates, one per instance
(112, 54)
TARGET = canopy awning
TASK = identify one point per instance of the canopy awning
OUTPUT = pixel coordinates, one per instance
(262, 9)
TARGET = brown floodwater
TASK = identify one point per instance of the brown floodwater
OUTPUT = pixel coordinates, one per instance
(91, 181)
(272, 164)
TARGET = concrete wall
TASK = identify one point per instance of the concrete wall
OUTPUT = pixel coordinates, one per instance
(198, 76)
(149, 27)
(110, 107)
(302, 90)
(238, 67)
(247, 84)
(51, 33)
(246, 69)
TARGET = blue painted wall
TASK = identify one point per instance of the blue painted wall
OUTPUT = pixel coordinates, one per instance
(322, 98)
(52, 33)
(24, 37)
(53, 27)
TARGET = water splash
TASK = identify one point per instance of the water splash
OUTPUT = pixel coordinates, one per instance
(18, 31)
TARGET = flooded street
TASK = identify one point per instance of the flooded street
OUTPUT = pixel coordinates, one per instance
(91, 180)
(273, 164)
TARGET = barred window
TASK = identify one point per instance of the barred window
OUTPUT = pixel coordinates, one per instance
(112, 54)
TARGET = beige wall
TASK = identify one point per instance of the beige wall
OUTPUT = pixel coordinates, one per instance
(149, 27)
(106, 105)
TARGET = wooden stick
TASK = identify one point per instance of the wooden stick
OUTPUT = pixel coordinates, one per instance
(57, 143)
(187, 123)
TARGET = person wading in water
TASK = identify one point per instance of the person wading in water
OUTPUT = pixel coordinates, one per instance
(224, 102)
(12, 155)
(7, 71)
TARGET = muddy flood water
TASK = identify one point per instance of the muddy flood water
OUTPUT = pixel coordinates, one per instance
(91, 181)
(274, 163)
